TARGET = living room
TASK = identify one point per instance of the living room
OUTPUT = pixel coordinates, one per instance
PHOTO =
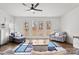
(37, 25)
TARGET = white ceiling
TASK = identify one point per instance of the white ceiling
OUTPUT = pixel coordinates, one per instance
(49, 9)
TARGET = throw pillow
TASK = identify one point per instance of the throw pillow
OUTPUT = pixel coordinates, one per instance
(56, 34)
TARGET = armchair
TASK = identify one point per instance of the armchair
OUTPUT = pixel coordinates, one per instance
(17, 37)
(58, 36)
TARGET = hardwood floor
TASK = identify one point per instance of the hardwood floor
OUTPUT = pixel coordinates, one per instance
(7, 46)
(67, 46)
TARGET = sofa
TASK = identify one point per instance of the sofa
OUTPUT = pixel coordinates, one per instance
(58, 36)
(16, 37)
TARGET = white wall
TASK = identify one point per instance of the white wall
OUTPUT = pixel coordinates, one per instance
(70, 24)
(5, 17)
(19, 22)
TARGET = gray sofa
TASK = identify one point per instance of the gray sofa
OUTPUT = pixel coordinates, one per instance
(17, 37)
(58, 36)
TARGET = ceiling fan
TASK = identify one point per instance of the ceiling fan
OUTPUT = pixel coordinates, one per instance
(33, 7)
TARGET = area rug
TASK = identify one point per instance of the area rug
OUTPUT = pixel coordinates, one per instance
(53, 49)
(21, 49)
(26, 49)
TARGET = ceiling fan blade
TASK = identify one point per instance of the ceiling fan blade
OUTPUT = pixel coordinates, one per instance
(24, 4)
(37, 9)
(36, 5)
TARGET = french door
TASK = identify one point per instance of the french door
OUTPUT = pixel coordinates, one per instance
(38, 27)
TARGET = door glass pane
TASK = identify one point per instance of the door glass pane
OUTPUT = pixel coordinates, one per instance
(41, 28)
(34, 28)
(48, 27)
(26, 28)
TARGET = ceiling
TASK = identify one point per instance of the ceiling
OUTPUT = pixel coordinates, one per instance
(49, 9)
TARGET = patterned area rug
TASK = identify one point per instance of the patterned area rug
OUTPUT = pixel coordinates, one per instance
(22, 48)
(43, 49)
(40, 50)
